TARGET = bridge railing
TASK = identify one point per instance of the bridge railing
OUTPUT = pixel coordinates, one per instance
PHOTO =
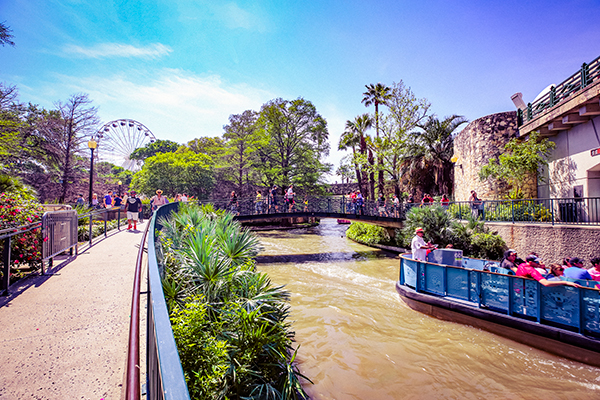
(311, 204)
(588, 74)
(576, 210)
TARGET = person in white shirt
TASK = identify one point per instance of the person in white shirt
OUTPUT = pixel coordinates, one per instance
(419, 247)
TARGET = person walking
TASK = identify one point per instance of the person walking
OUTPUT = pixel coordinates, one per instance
(289, 198)
(133, 206)
(396, 203)
(80, 201)
(233, 204)
(158, 200)
(476, 206)
(273, 199)
(258, 203)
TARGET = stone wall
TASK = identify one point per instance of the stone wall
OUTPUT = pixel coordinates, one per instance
(481, 140)
(552, 243)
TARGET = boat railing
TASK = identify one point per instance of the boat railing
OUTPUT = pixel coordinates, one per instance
(566, 307)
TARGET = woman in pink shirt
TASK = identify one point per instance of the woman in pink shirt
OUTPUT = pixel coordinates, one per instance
(595, 270)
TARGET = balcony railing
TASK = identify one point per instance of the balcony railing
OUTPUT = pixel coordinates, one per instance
(578, 81)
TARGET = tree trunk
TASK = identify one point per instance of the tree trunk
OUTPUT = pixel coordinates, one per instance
(371, 176)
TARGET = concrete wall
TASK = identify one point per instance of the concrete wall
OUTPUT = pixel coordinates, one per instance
(551, 243)
(571, 163)
(481, 140)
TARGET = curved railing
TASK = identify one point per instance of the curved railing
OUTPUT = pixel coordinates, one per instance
(566, 307)
(165, 378)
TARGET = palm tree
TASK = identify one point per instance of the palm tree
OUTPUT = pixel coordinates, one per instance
(377, 94)
(354, 137)
(433, 147)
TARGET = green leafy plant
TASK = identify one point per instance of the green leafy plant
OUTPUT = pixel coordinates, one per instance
(228, 320)
(367, 233)
(19, 210)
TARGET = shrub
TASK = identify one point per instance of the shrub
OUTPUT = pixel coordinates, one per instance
(228, 320)
(434, 220)
(487, 246)
(367, 233)
(18, 210)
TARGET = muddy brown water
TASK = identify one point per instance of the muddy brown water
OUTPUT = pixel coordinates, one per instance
(358, 340)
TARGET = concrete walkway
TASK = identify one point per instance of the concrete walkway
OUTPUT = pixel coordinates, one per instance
(65, 335)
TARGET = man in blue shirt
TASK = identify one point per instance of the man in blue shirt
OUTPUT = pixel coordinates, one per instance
(576, 271)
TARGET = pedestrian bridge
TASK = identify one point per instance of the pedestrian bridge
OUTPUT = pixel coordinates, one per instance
(248, 210)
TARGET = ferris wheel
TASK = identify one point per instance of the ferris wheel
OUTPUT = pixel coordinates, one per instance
(118, 139)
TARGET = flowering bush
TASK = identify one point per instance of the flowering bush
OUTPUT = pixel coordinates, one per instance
(18, 210)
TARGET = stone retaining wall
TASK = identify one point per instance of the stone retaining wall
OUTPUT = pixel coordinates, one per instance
(551, 242)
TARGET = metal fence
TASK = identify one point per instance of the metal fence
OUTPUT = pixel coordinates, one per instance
(572, 211)
(60, 232)
(579, 80)
(576, 210)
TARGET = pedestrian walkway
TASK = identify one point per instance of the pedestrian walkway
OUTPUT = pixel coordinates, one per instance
(65, 335)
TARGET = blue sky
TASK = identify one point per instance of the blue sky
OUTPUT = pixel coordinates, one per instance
(181, 67)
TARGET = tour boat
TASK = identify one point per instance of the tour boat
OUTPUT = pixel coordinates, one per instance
(562, 320)
(343, 221)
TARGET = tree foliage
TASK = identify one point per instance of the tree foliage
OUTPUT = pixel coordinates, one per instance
(154, 148)
(179, 172)
(519, 163)
(241, 139)
(292, 144)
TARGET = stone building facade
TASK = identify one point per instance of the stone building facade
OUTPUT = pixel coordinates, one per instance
(480, 141)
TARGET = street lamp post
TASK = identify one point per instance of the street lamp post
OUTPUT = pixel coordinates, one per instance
(120, 183)
(92, 144)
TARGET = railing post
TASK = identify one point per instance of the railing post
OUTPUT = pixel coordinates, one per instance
(90, 233)
(552, 209)
(329, 205)
(5, 267)
(585, 75)
(105, 220)
(119, 219)
(459, 210)
(519, 117)
(512, 210)
(529, 111)
(552, 96)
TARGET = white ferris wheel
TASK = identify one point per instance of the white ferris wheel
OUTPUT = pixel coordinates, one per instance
(118, 139)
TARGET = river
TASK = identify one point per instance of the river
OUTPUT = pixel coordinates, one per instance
(358, 340)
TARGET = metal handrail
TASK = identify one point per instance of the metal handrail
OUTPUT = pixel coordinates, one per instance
(133, 388)
(165, 378)
(579, 80)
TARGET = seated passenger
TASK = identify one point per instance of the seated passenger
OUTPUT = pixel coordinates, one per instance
(595, 270)
(509, 260)
(556, 271)
(540, 267)
(577, 271)
(528, 270)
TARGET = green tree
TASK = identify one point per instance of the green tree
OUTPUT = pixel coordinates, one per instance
(344, 171)
(354, 138)
(292, 143)
(376, 95)
(520, 162)
(241, 140)
(213, 147)
(185, 172)
(432, 148)
(152, 149)
(406, 111)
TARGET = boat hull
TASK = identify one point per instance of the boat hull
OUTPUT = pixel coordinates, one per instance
(550, 339)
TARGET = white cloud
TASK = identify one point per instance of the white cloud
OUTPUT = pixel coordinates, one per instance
(173, 104)
(110, 50)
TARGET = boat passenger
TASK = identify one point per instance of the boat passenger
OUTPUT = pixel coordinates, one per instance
(556, 271)
(509, 261)
(595, 270)
(528, 270)
(419, 247)
(577, 271)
